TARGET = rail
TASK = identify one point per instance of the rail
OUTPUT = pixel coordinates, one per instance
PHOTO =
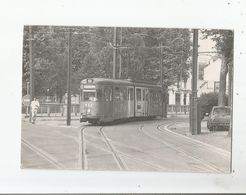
(178, 109)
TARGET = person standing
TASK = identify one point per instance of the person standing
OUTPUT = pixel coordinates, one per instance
(34, 109)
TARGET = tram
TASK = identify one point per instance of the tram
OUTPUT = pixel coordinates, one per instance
(106, 100)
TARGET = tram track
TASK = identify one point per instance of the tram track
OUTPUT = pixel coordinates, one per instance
(82, 159)
(121, 164)
(190, 140)
(207, 164)
(130, 156)
(48, 157)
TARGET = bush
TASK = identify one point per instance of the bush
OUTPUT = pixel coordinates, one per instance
(207, 101)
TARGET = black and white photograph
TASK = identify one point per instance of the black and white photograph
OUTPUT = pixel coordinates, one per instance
(122, 96)
(127, 99)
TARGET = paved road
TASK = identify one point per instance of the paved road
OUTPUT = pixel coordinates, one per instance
(133, 146)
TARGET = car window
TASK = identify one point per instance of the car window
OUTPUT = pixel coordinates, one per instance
(221, 111)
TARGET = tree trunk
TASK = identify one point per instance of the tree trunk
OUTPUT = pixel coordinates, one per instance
(230, 85)
(222, 89)
(230, 95)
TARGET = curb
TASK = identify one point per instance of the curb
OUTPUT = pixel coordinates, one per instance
(224, 152)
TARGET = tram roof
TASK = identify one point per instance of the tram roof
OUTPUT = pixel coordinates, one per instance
(107, 81)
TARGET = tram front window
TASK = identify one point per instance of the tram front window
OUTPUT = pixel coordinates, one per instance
(89, 96)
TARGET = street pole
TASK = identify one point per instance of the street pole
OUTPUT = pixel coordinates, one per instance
(115, 52)
(28, 93)
(161, 79)
(120, 60)
(31, 71)
(69, 81)
(193, 109)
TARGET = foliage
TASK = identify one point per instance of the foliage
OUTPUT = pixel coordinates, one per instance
(224, 45)
(92, 54)
(207, 101)
(223, 40)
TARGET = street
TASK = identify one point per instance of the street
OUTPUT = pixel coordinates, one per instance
(130, 146)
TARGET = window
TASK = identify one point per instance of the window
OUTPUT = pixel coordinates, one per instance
(99, 94)
(185, 99)
(138, 93)
(221, 111)
(117, 94)
(108, 94)
(130, 94)
(177, 98)
(124, 91)
(89, 96)
(144, 94)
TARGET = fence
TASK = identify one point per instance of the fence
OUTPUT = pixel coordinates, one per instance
(178, 109)
(56, 109)
(60, 109)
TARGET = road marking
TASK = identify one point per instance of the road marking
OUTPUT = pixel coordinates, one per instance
(213, 148)
(43, 154)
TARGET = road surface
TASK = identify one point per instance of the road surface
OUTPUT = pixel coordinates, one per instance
(131, 146)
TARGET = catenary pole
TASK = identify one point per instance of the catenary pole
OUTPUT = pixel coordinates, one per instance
(31, 70)
(115, 53)
(194, 118)
(69, 80)
(120, 59)
(161, 80)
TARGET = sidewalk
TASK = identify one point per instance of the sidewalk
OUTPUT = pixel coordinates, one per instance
(218, 139)
(57, 121)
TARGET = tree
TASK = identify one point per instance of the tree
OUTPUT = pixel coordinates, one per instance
(224, 45)
(208, 101)
(92, 55)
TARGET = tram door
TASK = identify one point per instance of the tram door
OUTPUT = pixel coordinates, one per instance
(130, 102)
(139, 107)
(145, 101)
(108, 103)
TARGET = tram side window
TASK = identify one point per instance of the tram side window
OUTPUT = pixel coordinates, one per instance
(158, 96)
(138, 93)
(99, 94)
(130, 94)
(119, 94)
(124, 91)
(108, 94)
(145, 94)
(154, 96)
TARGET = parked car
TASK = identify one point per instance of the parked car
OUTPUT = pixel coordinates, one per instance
(219, 118)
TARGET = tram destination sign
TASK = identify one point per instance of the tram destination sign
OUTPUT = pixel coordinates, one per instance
(89, 86)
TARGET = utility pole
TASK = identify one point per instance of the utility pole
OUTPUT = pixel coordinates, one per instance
(31, 70)
(115, 52)
(193, 108)
(161, 79)
(120, 60)
(69, 80)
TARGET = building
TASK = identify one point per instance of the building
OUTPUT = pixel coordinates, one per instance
(208, 82)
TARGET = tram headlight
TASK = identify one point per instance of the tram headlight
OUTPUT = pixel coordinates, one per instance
(88, 110)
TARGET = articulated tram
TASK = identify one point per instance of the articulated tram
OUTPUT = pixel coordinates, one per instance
(106, 100)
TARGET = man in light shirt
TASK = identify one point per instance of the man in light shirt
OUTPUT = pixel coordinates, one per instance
(34, 109)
